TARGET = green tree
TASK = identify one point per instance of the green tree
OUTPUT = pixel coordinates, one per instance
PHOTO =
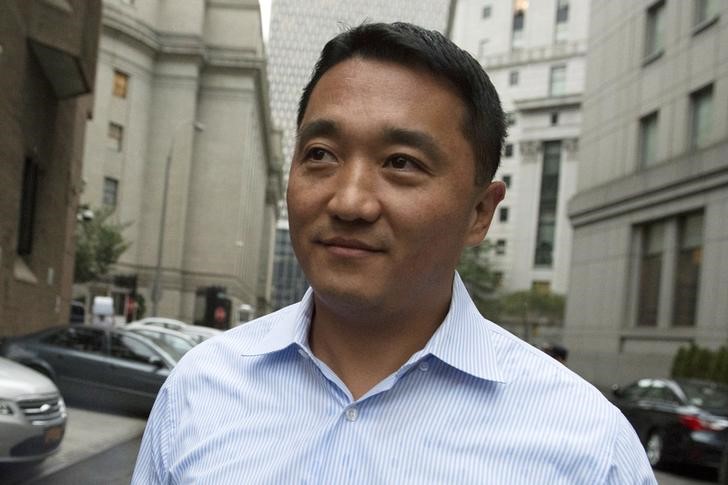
(480, 280)
(99, 243)
(532, 307)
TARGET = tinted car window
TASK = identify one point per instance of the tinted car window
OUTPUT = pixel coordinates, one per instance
(706, 394)
(175, 346)
(634, 391)
(660, 392)
(81, 339)
(125, 347)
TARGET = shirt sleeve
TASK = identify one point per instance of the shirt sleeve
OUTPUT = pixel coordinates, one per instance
(629, 461)
(151, 466)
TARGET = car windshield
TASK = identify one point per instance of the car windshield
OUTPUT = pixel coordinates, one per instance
(175, 346)
(706, 394)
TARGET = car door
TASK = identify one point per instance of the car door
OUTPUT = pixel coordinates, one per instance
(132, 372)
(77, 355)
(629, 401)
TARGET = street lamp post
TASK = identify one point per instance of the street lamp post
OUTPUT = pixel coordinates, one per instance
(156, 288)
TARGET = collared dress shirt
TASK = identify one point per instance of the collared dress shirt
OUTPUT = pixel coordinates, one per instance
(475, 405)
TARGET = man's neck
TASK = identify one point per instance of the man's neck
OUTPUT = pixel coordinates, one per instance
(363, 351)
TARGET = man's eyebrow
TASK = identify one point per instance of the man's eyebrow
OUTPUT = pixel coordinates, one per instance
(321, 127)
(417, 139)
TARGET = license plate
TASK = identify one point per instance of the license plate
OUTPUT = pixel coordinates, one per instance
(53, 435)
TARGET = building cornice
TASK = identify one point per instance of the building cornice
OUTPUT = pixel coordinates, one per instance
(683, 176)
(546, 53)
(548, 103)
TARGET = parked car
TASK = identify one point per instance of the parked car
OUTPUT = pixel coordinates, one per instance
(200, 334)
(677, 420)
(176, 344)
(32, 414)
(109, 365)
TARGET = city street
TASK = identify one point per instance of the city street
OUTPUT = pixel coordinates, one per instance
(112, 467)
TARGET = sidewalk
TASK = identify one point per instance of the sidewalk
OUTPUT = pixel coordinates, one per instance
(87, 433)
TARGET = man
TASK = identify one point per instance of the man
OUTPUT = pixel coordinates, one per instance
(385, 372)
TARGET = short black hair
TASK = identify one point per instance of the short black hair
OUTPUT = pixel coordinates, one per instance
(413, 46)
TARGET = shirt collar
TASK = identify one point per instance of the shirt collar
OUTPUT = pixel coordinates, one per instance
(463, 340)
(287, 331)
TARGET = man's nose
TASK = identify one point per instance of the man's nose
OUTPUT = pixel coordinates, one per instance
(356, 195)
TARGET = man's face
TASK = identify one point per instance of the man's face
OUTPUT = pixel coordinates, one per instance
(381, 194)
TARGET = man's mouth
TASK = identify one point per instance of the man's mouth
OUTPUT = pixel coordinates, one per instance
(352, 247)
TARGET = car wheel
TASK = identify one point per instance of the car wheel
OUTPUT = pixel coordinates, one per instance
(654, 449)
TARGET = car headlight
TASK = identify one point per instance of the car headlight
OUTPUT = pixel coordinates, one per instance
(6, 409)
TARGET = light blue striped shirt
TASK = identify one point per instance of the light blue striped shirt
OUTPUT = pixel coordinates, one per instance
(476, 405)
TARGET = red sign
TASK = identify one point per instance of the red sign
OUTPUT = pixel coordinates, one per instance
(220, 314)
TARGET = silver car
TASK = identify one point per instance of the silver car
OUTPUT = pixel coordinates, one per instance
(197, 332)
(32, 414)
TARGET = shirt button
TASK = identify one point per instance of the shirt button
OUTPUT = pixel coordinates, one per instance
(352, 413)
(424, 366)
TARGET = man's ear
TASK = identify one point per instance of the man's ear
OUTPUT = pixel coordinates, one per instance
(485, 204)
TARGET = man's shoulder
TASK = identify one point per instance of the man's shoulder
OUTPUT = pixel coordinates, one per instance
(531, 370)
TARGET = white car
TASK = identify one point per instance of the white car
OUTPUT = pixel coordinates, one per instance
(197, 332)
(175, 343)
(32, 414)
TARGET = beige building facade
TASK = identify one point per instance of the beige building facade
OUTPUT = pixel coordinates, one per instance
(184, 85)
(534, 53)
(47, 63)
(649, 271)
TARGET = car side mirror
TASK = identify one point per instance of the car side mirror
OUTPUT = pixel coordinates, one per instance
(156, 362)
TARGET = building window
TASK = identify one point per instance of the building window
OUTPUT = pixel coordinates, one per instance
(513, 78)
(500, 246)
(121, 84)
(497, 279)
(548, 203)
(648, 140)
(701, 117)
(655, 30)
(562, 20)
(510, 118)
(507, 180)
(541, 287)
(519, 17)
(115, 139)
(557, 82)
(111, 188)
(482, 48)
(486, 11)
(508, 150)
(670, 262)
(687, 275)
(554, 118)
(26, 221)
(705, 11)
(653, 236)
(503, 214)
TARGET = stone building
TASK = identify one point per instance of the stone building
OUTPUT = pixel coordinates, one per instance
(649, 271)
(47, 60)
(183, 85)
(534, 53)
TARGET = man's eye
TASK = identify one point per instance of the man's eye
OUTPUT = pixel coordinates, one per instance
(400, 162)
(317, 154)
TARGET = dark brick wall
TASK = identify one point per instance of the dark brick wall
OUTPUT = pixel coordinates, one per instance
(34, 124)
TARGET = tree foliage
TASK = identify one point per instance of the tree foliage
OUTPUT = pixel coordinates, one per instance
(701, 363)
(99, 244)
(534, 306)
(480, 280)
